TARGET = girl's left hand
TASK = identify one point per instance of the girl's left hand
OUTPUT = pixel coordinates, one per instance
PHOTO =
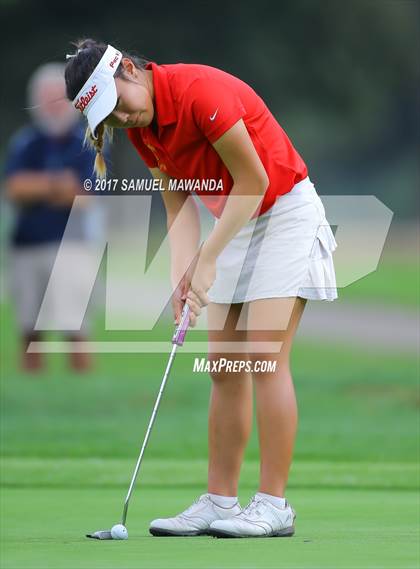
(204, 276)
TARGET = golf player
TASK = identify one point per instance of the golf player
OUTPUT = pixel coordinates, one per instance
(269, 251)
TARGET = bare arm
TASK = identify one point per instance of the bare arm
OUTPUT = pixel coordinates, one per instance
(250, 182)
(57, 188)
(183, 222)
(27, 187)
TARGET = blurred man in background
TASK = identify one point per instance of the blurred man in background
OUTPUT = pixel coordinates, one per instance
(45, 167)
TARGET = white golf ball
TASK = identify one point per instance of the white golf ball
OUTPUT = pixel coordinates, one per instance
(119, 532)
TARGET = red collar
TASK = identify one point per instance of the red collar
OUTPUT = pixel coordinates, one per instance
(163, 102)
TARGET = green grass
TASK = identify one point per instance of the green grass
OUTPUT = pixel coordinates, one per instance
(354, 406)
(393, 283)
(107, 473)
(335, 529)
(69, 444)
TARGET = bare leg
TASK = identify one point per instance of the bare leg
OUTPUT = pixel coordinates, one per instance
(230, 413)
(275, 396)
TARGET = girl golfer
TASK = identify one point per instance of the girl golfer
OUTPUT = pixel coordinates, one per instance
(269, 251)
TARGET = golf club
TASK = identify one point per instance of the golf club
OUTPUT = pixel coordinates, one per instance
(119, 531)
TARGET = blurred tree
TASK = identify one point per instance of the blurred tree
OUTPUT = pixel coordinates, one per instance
(341, 77)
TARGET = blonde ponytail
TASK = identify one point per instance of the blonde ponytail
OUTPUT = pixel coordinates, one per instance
(103, 132)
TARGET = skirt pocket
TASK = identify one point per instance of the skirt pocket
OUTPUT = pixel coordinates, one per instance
(320, 283)
(324, 243)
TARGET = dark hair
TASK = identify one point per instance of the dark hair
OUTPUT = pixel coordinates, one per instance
(87, 56)
(78, 70)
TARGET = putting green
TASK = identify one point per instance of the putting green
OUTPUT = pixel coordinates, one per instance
(69, 445)
(43, 528)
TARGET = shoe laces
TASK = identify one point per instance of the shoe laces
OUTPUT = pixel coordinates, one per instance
(251, 507)
(202, 498)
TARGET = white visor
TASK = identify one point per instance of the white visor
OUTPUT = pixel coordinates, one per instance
(98, 96)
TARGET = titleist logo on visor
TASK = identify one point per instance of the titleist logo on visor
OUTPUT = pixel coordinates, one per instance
(83, 101)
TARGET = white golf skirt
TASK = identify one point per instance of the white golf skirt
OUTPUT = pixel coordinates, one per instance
(286, 252)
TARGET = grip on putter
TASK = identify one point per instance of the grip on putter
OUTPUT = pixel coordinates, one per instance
(179, 334)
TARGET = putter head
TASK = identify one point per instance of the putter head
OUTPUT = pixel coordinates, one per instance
(102, 534)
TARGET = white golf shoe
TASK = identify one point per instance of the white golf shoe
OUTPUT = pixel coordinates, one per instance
(195, 520)
(260, 518)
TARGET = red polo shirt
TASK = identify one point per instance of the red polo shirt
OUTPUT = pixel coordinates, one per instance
(195, 105)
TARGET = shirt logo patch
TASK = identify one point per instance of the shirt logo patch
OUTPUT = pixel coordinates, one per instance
(212, 117)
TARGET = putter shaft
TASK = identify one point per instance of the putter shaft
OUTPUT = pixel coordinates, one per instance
(177, 340)
(149, 429)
